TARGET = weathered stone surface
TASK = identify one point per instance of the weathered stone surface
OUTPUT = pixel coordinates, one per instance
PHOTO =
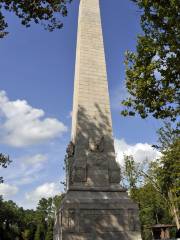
(95, 207)
(91, 215)
(91, 124)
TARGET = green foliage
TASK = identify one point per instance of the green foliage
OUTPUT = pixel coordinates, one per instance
(9, 220)
(45, 12)
(4, 162)
(167, 170)
(49, 234)
(17, 223)
(155, 186)
(167, 175)
(40, 232)
(153, 208)
(130, 169)
(26, 235)
(167, 135)
(153, 73)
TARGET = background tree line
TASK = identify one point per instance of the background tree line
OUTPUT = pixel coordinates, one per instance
(19, 224)
(155, 185)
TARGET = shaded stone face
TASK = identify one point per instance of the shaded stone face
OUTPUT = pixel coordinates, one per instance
(94, 158)
(89, 215)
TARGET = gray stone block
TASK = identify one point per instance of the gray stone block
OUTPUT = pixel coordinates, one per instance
(98, 215)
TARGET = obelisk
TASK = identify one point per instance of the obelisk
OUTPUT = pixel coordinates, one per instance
(95, 206)
(91, 123)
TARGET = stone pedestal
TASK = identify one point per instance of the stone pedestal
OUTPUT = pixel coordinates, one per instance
(97, 215)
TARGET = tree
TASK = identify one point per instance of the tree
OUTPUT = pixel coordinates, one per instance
(131, 171)
(166, 170)
(57, 200)
(153, 73)
(167, 175)
(140, 182)
(9, 218)
(4, 162)
(153, 208)
(167, 135)
(49, 233)
(26, 235)
(17, 223)
(163, 174)
(45, 12)
(45, 213)
(39, 235)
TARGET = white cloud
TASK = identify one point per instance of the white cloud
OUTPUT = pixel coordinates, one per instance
(27, 169)
(140, 151)
(34, 160)
(7, 190)
(30, 166)
(45, 190)
(22, 125)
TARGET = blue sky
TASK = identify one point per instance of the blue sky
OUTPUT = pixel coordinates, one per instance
(36, 89)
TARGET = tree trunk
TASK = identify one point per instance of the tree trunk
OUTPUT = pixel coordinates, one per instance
(174, 209)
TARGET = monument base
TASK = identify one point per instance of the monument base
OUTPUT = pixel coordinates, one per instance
(97, 215)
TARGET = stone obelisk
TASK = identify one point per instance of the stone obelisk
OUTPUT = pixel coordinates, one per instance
(95, 207)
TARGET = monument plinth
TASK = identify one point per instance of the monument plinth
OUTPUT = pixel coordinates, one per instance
(95, 206)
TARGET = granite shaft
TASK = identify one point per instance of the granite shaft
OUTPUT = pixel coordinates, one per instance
(91, 122)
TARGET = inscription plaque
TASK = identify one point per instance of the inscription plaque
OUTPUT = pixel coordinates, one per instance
(106, 220)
